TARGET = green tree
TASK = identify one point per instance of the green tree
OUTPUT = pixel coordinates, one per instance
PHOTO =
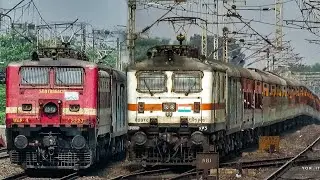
(143, 44)
(235, 55)
(14, 48)
(305, 68)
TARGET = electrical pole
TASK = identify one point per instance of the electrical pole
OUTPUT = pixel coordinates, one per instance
(216, 38)
(225, 42)
(279, 20)
(204, 29)
(118, 64)
(84, 40)
(131, 29)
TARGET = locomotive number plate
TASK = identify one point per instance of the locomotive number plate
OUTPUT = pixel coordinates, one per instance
(20, 120)
(207, 160)
(142, 120)
(76, 121)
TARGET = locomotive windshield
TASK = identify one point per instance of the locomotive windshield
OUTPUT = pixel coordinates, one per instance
(68, 76)
(64, 76)
(151, 82)
(34, 76)
(187, 82)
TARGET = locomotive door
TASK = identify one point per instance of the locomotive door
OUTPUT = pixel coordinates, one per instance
(119, 114)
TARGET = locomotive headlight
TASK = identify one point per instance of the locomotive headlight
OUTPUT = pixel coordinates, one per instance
(78, 142)
(197, 138)
(50, 108)
(169, 107)
(165, 107)
(21, 141)
(139, 138)
(172, 107)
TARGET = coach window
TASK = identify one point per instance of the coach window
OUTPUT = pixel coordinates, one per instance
(108, 94)
(265, 89)
(187, 82)
(258, 96)
(34, 76)
(151, 82)
(69, 76)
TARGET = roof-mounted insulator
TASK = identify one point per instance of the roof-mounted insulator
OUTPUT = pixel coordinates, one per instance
(181, 38)
(34, 56)
(54, 55)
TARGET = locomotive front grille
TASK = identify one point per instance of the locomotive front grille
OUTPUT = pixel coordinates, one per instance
(62, 160)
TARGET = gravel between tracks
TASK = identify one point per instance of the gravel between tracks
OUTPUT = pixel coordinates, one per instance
(113, 170)
(290, 144)
(7, 169)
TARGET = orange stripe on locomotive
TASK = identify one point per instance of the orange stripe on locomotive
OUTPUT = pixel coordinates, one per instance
(158, 107)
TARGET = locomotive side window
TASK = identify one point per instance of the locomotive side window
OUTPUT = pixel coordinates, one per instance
(151, 82)
(187, 82)
(34, 76)
(69, 76)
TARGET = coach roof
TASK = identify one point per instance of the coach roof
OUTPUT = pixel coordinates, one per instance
(160, 63)
(51, 62)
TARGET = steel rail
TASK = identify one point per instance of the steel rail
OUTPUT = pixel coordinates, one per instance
(22, 175)
(184, 175)
(279, 172)
(71, 176)
(140, 172)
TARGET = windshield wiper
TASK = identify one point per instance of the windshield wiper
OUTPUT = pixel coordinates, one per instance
(147, 87)
(28, 82)
(62, 83)
(190, 87)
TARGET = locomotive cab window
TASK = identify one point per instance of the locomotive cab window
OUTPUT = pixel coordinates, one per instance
(187, 82)
(34, 76)
(151, 82)
(71, 76)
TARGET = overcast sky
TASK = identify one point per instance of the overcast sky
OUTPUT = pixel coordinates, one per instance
(109, 13)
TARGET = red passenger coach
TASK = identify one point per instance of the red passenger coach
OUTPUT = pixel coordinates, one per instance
(63, 111)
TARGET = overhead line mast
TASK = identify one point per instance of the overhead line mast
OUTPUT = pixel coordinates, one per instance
(279, 20)
(132, 5)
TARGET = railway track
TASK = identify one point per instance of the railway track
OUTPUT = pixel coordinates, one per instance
(165, 173)
(290, 163)
(71, 176)
(24, 175)
(276, 162)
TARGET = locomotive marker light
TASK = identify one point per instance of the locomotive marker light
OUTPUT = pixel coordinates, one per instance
(21, 141)
(78, 142)
(139, 138)
(26, 107)
(74, 107)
